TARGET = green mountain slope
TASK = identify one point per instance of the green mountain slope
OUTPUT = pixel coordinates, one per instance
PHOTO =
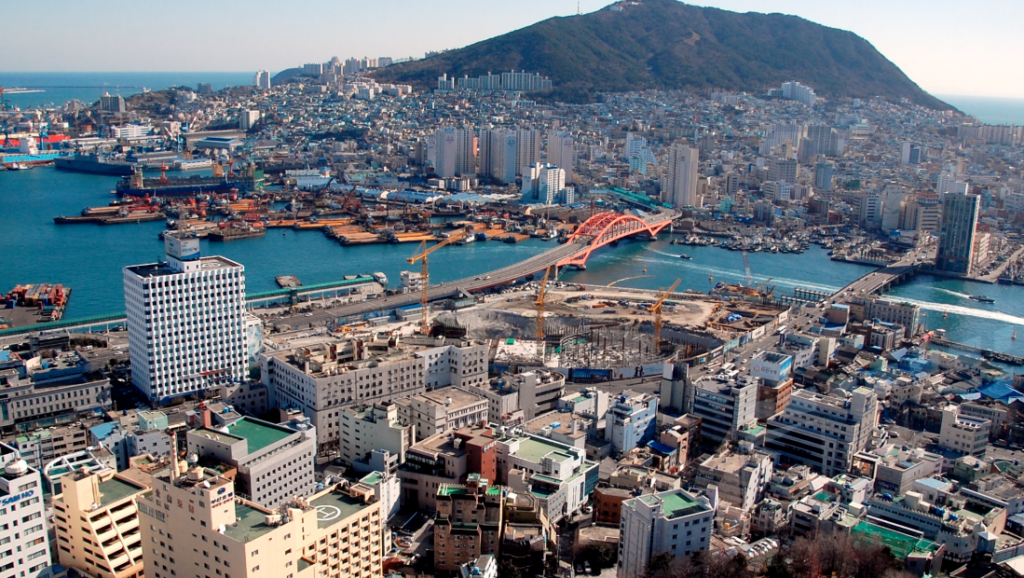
(665, 44)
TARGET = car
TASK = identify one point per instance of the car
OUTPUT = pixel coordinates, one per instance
(586, 566)
(309, 315)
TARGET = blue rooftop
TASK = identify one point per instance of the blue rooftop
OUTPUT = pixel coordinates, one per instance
(1001, 391)
(933, 483)
(660, 447)
(104, 430)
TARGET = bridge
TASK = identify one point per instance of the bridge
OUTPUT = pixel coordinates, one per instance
(887, 276)
(605, 228)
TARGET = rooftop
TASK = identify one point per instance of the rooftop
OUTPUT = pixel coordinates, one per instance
(675, 504)
(334, 507)
(163, 269)
(534, 449)
(114, 490)
(258, 433)
(250, 524)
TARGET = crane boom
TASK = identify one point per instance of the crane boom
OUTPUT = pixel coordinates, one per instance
(656, 310)
(425, 274)
(541, 292)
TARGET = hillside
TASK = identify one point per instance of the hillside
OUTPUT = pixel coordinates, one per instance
(665, 44)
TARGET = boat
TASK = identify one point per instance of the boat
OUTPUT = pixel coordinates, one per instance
(234, 233)
(685, 256)
(96, 164)
(1014, 336)
(466, 240)
(982, 298)
(18, 167)
(138, 186)
(380, 278)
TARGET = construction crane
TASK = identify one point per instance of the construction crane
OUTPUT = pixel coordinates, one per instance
(656, 310)
(541, 292)
(425, 274)
(747, 278)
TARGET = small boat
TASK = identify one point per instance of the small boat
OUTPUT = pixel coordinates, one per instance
(381, 278)
(18, 167)
(982, 298)
(945, 314)
(1014, 336)
(685, 256)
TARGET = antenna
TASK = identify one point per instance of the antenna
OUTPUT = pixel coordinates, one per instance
(578, 8)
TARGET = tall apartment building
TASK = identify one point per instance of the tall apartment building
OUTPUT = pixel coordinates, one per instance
(454, 154)
(631, 420)
(24, 544)
(113, 103)
(963, 433)
(365, 428)
(319, 380)
(542, 183)
(723, 405)
(262, 79)
(823, 431)
(784, 170)
(186, 321)
(274, 462)
(468, 523)
(922, 213)
(674, 522)
(956, 235)
(97, 523)
(248, 119)
(681, 185)
(562, 153)
(195, 526)
(822, 140)
(824, 172)
(527, 149)
(498, 155)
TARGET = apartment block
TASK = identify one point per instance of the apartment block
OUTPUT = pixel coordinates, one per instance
(676, 522)
(963, 433)
(468, 522)
(741, 477)
(442, 410)
(365, 428)
(724, 406)
(97, 524)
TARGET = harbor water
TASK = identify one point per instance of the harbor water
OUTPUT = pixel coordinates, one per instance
(89, 258)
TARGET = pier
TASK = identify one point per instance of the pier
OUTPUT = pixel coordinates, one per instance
(986, 353)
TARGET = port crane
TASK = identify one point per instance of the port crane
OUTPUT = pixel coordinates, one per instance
(656, 310)
(541, 293)
(421, 255)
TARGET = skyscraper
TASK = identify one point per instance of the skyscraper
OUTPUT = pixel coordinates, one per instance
(498, 153)
(186, 321)
(823, 173)
(681, 189)
(956, 235)
(22, 525)
(527, 149)
(262, 79)
(454, 155)
(561, 153)
(542, 183)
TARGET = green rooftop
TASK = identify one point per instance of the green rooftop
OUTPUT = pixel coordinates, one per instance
(901, 545)
(371, 479)
(451, 490)
(534, 449)
(251, 524)
(334, 507)
(677, 504)
(258, 434)
(114, 490)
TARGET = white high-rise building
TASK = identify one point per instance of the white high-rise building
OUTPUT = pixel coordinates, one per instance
(527, 149)
(681, 187)
(247, 119)
(562, 153)
(674, 522)
(542, 183)
(25, 543)
(634, 144)
(498, 153)
(262, 79)
(454, 154)
(186, 321)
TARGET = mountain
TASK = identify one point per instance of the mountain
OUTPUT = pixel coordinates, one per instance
(666, 44)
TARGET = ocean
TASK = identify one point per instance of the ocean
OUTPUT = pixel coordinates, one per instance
(988, 110)
(61, 87)
(89, 258)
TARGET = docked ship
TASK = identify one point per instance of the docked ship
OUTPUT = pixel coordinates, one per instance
(137, 185)
(381, 278)
(96, 164)
(26, 155)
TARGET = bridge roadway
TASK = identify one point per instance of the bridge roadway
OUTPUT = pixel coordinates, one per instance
(882, 278)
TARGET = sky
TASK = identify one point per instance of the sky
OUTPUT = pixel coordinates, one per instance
(948, 47)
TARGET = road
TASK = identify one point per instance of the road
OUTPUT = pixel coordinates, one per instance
(873, 282)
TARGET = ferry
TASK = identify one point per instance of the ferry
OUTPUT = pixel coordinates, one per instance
(381, 278)
(466, 240)
(982, 298)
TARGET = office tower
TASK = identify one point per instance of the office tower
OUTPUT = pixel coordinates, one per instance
(956, 234)
(114, 103)
(186, 321)
(823, 431)
(527, 149)
(195, 525)
(97, 524)
(262, 79)
(922, 213)
(681, 189)
(561, 153)
(871, 211)
(25, 543)
(905, 153)
(498, 150)
(823, 174)
(674, 522)
(724, 406)
(634, 144)
(542, 183)
(455, 152)
(247, 119)
(782, 170)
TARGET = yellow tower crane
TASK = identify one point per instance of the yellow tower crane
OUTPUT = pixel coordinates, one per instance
(656, 310)
(425, 276)
(541, 292)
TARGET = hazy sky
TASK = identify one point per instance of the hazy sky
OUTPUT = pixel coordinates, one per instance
(946, 46)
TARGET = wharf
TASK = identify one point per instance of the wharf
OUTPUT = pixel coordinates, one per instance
(136, 218)
(986, 353)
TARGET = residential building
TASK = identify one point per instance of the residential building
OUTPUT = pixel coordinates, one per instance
(515, 398)
(442, 410)
(681, 189)
(115, 104)
(812, 513)
(527, 149)
(631, 420)
(561, 153)
(724, 406)
(676, 522)
(23, 537)
(741, 477)
(956, 234)
(365, 428)
(783, 170)
(542, 183)
(97, 525)
(194, 525)
(447, 458)
(485, 566)
(559, 475)
(274, 462)
(247, 119)
(186, 321)
(895, 470)
(468, 523)
(498, 155)
(824, 173)
(963, 433)
(823, 431)
(262, 79)
(455, 153)
(607, 503)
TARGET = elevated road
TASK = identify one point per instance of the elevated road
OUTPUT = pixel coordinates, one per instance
(889, 275)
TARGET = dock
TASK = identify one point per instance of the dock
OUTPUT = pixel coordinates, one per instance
(986, 353)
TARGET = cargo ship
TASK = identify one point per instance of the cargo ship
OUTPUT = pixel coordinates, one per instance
(235, 233)
(27, 154)
(95, 164)
(137, 185)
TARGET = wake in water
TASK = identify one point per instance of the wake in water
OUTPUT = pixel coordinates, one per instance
(968, 311)
(957, 293)
(782, 281)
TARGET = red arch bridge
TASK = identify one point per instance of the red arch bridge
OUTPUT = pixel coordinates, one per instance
(605, 228)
